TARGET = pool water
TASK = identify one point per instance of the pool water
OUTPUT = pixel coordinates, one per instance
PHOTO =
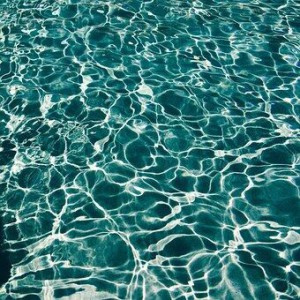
(150, 149)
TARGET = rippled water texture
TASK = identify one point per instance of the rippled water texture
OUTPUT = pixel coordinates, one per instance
(150, 149)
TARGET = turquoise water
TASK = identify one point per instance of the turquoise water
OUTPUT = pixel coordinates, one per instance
(149, 149)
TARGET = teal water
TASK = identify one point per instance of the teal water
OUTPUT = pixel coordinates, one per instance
(149, 149)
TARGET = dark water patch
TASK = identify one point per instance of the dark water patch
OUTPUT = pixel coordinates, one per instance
(5, 264)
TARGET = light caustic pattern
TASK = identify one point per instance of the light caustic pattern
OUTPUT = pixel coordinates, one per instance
(150, 149)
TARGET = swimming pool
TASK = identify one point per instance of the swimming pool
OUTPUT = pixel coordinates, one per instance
(149, 149)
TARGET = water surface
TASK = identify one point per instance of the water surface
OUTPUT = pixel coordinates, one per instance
(150, 149)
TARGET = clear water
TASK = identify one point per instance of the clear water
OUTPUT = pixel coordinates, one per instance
(149, 149)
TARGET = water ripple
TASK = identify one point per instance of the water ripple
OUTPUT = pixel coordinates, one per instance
(149, 150)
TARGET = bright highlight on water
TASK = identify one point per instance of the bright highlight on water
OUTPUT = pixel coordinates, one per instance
(149, 149)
